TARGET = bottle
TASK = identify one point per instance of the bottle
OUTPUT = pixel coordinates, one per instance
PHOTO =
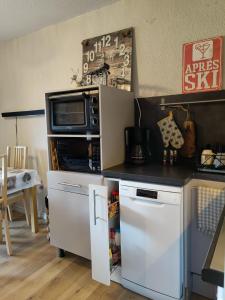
(171, 157)
(175, 156)
(117, 237)
(164, 157)
(114, 196)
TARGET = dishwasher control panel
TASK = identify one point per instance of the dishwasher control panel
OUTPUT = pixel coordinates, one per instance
(150, 192)
(147, 193)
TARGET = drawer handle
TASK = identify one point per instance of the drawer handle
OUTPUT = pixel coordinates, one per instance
(95, 219)
(70, 184)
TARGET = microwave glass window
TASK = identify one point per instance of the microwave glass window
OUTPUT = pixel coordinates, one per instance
(69, 113)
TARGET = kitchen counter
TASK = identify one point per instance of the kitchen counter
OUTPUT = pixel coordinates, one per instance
(159, 174)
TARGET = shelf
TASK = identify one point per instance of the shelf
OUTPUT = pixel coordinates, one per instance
(75, 135)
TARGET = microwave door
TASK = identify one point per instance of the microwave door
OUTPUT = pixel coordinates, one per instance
(69, 114)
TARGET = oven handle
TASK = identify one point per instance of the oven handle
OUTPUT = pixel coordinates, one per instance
(70, 184)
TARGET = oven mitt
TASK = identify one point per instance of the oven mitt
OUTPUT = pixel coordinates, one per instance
(165, 129)
(170, 133)
(189, 146)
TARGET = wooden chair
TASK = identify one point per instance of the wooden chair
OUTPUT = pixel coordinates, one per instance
(19, 162)
(3, 206)
(19, 157)
(8, 154)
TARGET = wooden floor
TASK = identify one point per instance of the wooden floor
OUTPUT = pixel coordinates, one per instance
(35, 272)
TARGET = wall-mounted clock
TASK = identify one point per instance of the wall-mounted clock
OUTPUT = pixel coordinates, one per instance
(107, 59)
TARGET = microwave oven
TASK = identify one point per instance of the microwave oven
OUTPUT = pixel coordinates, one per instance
(76, 112)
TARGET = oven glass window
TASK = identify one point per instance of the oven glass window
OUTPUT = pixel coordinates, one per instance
(69, 113)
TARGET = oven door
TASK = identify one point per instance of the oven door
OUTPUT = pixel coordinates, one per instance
(78, 155)
(69, 114)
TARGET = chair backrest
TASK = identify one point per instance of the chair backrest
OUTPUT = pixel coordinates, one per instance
(3, 197)
(19, 157)
(8, 154)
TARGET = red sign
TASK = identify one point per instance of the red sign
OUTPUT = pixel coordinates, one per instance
(202, 65)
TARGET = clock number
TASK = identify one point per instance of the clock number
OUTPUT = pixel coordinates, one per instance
(98, 47)
(126, 60)
(90, 55)
(116, 41)
(106, 39)
(123, 72)
(85, 67)
(88, 79)
(122, 49)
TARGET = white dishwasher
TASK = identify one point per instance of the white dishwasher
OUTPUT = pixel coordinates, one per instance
(151, 239)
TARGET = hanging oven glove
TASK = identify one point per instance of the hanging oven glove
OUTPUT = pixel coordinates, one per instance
(165, 129)
(170, 133)
(188, 149)
(176, 139)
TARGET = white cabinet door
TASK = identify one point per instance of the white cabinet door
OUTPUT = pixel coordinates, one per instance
(99, 228)
(69, 222)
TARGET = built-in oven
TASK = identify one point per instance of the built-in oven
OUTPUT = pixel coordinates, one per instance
(75, 112)
(79, 155)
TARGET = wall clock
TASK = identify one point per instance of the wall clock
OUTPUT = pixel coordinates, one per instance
(107, 59)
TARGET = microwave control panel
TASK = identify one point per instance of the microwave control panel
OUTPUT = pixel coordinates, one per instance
(94, 111)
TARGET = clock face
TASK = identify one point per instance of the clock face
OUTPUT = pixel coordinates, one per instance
(107, 59)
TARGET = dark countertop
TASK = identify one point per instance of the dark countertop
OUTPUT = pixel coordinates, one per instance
(155, 173)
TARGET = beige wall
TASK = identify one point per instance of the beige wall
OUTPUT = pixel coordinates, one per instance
(42, 61)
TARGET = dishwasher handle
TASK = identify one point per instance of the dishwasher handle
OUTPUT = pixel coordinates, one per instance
(147, 201)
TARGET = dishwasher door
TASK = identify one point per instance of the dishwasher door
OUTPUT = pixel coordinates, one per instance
(151, 239)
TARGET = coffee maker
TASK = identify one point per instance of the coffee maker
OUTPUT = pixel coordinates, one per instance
(137, 145)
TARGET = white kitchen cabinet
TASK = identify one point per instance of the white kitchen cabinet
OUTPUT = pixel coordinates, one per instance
(68, 191)
(69, 211)
(69, 215)
(100, 224)
(115, 111)
(151, 238)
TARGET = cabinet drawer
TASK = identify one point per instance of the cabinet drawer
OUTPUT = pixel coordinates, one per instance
(69, 222)
(72, 182)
